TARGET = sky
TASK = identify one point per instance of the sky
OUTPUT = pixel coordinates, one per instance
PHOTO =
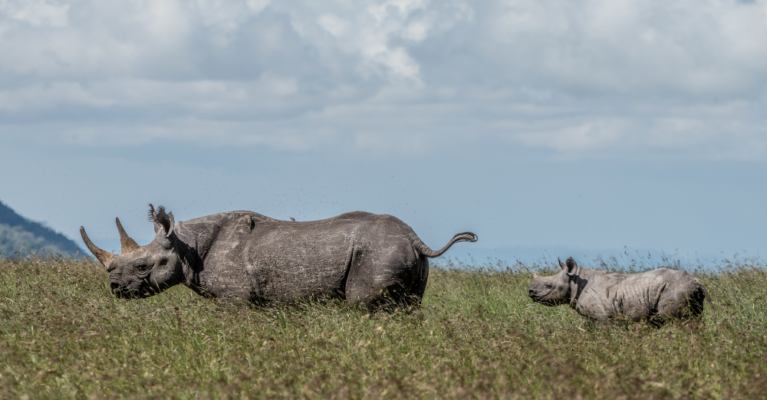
(550, 129)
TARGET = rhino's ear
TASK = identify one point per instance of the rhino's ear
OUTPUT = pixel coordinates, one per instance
(162, 221)
(561, 264)
(152, 214)
(535, 275)
(571, 265)
(166, 221)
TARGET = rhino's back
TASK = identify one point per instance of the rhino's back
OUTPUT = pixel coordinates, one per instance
(270, 259)
(663, 278)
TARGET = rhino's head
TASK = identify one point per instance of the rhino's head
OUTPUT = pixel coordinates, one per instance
(141, 271)
(553, 290)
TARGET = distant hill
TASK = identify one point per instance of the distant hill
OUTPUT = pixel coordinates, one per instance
(20, 234)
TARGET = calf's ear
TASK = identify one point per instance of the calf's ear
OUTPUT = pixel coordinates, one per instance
(571, 265)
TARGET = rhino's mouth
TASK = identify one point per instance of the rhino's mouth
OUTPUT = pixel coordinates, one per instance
(132, 294)
(538, 299)
(121, 292)
(541, 299)
(546, 302)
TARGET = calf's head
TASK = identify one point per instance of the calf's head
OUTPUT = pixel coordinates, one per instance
(141, 271)
(553, 290)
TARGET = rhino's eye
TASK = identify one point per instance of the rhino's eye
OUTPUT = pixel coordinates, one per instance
(142, 268)
(163, 262)
(549, 286)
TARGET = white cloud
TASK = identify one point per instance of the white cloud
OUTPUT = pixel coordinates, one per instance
(587, 135)
(333, 24)
(36, 13)
(594, 77)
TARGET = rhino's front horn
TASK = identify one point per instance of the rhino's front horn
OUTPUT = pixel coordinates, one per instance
(103, 256)
(127, 245)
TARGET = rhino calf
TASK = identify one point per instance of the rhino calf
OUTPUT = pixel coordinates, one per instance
(369, 259)
(656, 295)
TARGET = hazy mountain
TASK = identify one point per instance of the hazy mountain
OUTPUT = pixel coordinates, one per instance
(20, 234)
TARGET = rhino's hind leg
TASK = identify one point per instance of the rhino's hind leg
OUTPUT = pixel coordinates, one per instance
(419, 282)
(410, 287)
(375, 296)
(695, 303)
(683, 305)
(392, 282)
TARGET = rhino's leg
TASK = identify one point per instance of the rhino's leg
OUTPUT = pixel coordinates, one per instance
(419, 282)
(683, 303)
(386, 278)
(642, 304)
(694, 305)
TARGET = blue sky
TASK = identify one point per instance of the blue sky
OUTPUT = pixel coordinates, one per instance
(546, 128)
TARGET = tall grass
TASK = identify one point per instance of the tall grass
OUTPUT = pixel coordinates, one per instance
(476, 335)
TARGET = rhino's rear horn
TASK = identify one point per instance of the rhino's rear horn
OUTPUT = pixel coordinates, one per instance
(127, 245)
(103, 256)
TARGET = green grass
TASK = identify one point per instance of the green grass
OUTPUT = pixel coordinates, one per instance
(477, 335)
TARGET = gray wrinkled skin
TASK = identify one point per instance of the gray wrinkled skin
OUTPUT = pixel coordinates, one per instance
(369, 259)
(657, 295)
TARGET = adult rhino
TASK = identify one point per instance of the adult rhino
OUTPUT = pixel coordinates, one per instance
(369, 259)
(657, 295)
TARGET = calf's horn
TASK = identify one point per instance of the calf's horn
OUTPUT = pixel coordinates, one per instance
(127, 245)
(103, 256)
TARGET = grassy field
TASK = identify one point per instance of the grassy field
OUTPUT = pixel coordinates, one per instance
(477, 335)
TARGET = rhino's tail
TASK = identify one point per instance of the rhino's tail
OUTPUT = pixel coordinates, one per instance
(461, 237)
(711, 303)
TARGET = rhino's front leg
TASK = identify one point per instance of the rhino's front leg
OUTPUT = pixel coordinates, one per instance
(595, 305)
